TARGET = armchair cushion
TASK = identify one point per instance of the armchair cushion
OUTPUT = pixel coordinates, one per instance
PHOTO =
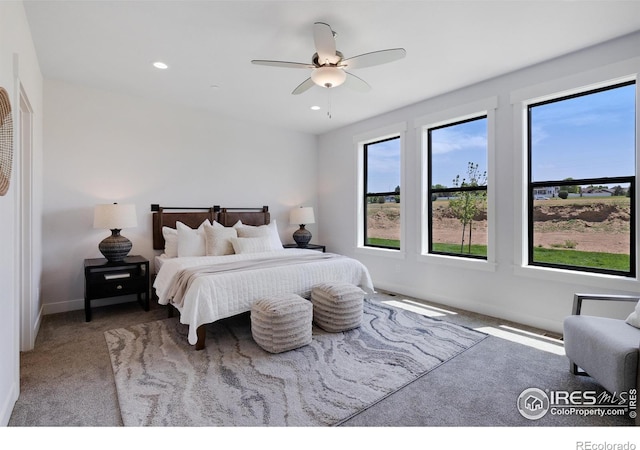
(607, 349)
(634, 317)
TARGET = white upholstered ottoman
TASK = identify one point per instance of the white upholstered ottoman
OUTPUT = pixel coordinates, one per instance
(283, 323)
(337, 306)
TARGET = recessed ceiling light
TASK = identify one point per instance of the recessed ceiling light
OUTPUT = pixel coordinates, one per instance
(315, 107)
(160, 65)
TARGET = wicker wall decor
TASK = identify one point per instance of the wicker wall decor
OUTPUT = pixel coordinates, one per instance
(6, 141)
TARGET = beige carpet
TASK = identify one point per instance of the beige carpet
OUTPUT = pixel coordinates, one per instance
(162, 381)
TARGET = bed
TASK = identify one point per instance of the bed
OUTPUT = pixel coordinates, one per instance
(243, 261)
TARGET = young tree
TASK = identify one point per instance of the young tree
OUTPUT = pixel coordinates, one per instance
(467, 204)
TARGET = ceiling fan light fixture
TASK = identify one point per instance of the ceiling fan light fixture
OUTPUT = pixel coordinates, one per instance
(328, 77)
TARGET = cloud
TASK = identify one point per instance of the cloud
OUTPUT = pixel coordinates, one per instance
(447, 140)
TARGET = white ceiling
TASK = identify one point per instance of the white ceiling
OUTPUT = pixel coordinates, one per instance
(111, 44)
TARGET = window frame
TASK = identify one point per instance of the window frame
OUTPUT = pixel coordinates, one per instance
(431, 191)
(531, 185)
(483, 107)
(604, 75)
(393, 130)
(367, 195)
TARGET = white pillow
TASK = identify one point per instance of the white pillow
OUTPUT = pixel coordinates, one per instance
(218, 239)
(251, 244)
(634, 317)
(170, 241)
(191, 242)
(270, 231)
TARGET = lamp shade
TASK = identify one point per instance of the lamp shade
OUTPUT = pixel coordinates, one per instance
(115, 216)
(328, 76)
(303, 215)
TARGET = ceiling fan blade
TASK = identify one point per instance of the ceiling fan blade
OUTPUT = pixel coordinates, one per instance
(356, 83)
(325, 43)
(304, 86)
(286, 64)
(374, 58)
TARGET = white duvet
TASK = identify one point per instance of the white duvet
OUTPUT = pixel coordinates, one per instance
(227, 293)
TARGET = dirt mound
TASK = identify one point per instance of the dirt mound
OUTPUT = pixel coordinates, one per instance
(598, 227)
(596, 212)
(444, 212)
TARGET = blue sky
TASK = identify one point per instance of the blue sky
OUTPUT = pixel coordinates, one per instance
(585, 137)
(383, 166)
(454, 147)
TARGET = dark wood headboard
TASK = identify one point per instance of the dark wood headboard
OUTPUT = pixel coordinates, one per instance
(249, 216)
(194, 216)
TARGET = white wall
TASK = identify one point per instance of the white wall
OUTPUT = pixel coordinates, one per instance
(103, 147)
(505, 289)
(18, 61)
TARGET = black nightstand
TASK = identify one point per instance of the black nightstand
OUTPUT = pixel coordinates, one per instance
(103, 279)
(322, 248)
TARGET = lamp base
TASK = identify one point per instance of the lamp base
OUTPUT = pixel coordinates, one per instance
(302, 236)
(115, 247)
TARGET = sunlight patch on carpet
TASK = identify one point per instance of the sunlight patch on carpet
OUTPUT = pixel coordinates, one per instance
(538, 341)
(420, 308)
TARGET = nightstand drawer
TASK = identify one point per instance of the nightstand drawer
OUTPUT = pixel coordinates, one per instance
(116, 287)
(123, 274)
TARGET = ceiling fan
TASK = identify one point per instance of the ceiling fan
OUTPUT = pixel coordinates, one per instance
(329, 65)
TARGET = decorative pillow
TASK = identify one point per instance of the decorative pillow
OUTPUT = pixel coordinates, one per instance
(218, 239)
(170, 242)
(251, 244)
(191, 242)
(634, 317)
(270, 231)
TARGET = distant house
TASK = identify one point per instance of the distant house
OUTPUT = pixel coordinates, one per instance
(544, 193)
(597, 192)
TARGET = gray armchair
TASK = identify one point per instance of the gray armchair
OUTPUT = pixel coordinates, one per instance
(606, 349)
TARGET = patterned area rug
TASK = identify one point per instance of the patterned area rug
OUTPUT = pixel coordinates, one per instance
(162, 381)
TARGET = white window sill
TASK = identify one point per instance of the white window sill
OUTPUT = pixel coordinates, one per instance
(599, 280)
(384, 252)
(459, 262)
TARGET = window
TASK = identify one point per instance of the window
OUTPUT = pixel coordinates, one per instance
(457, 188)
(382, 193)
(581, 181)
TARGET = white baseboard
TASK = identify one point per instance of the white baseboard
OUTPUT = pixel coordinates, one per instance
(74, 305)
(36, 326)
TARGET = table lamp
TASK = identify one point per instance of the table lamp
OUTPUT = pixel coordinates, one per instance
(115, 217)
(302, 216)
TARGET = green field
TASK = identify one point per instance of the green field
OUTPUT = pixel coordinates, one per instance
(476, 249)
(597, 260)
(593, 210)
(393, 243)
